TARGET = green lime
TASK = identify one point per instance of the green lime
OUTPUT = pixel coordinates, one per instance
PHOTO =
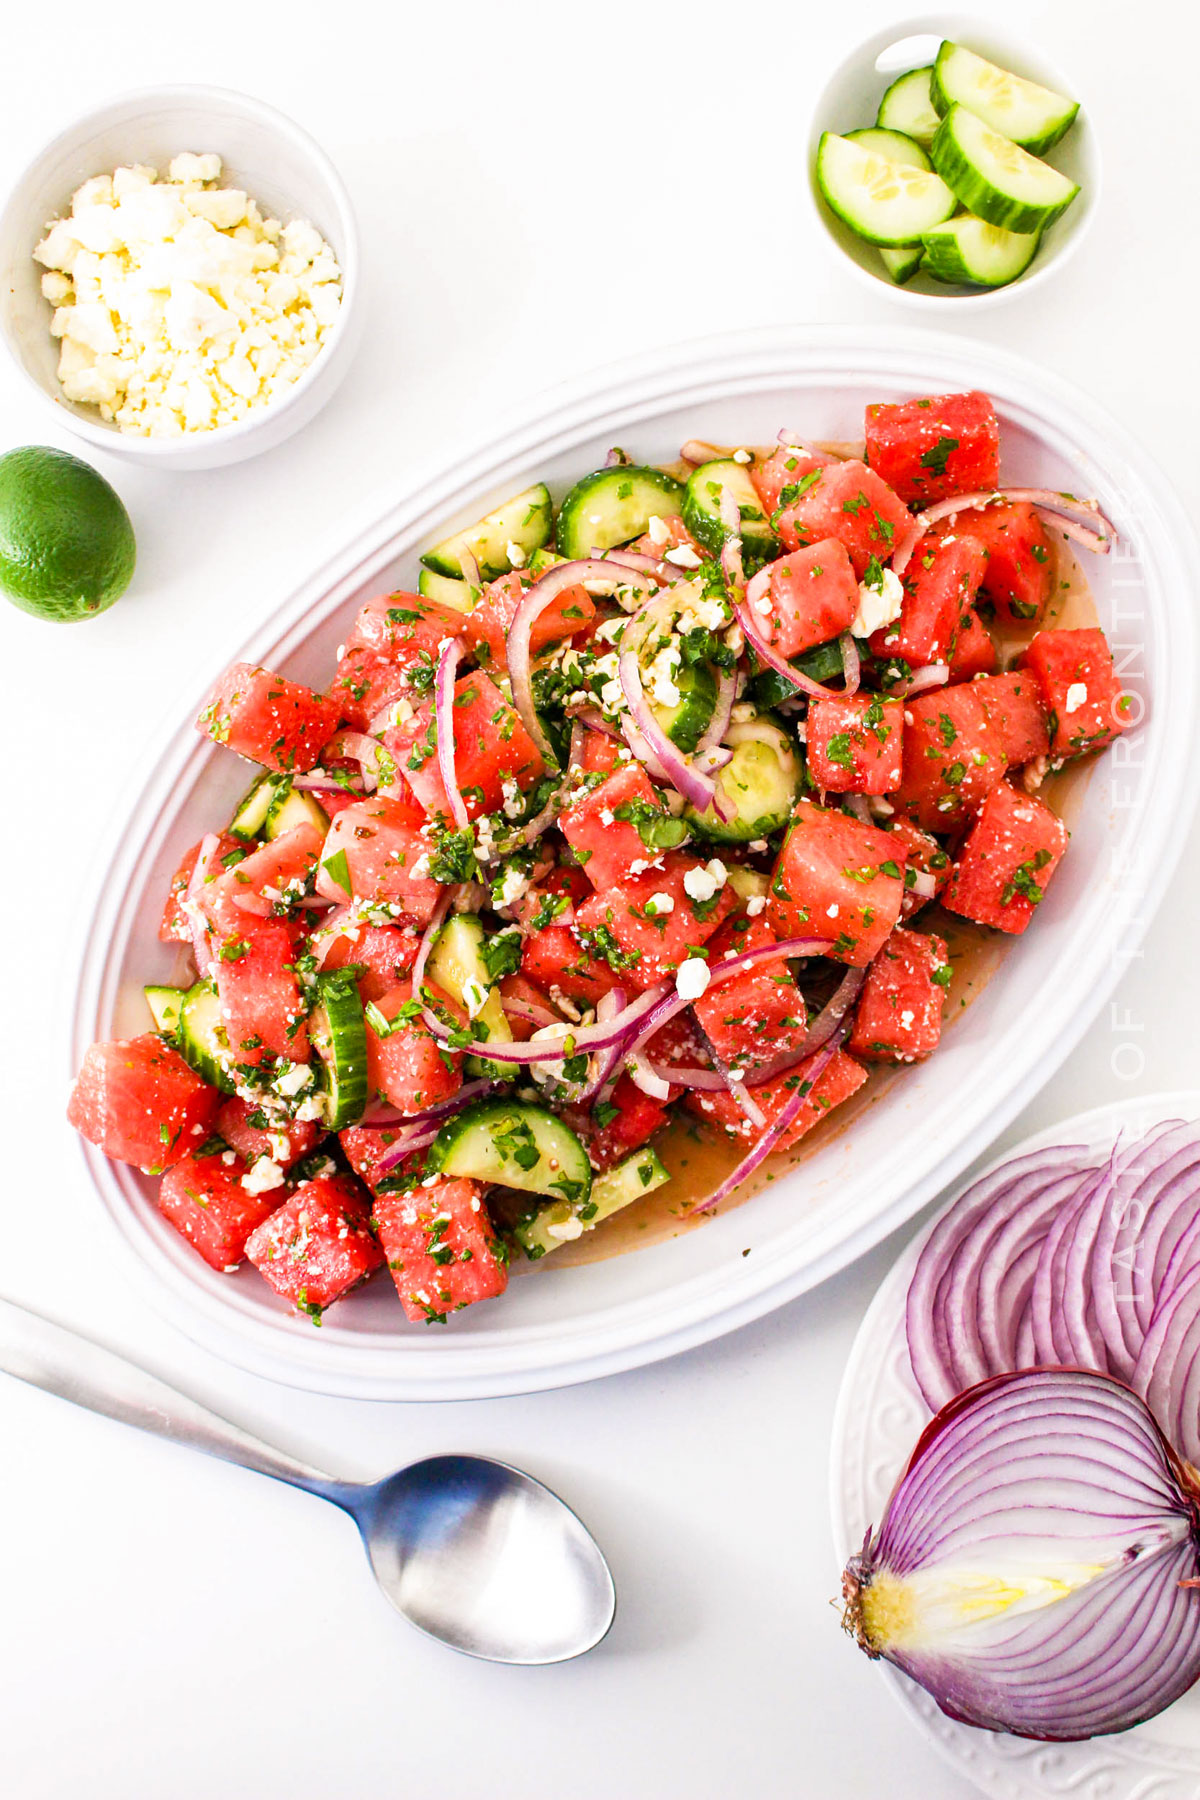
(67, 548)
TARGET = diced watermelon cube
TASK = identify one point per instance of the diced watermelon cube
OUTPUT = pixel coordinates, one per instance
(1020, 568)
(850, 502)
(647, 924)
(557, 962)
(366, 1148)
(842, 1076)
(839, 880)
(601, 752)
(602, 827)
(927, 866)
(440, 1248)
(282, 1144)
(629, 1120)
(1014, 704)
(780, 479)
(262, 1008)
(276, 723)
(139, 1102)
(365, 683)
(1079, 686)
(206, 1199)
(899, 1013)
(974, 652)
(930, 448)
(756, 1016)
(275, 874)
(407, 1066)
(405, 628)
(1007, 861)
(491, 746)
(812, 597)
(318, 1245)
(489, 623)
(854, 744)
(382, 954)
(176, 926)
(940, 584)
(552, 899)
(374, 852)
(954, 756)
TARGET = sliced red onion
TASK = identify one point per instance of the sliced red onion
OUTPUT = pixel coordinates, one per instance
(471, 573)
(644, 1076)
(663, 572)
(933, 675)
(807, 1076)
(718, 725)
(449, 654)
(535, 1015)
(316, 781)
(790, 441)
(851, 662)
(441, 907)
(210, 843)
(704, 1081)
(685, 775)
(1035, 1569)
(1081, 520)
(599, 577)
(606, 1063)
(356, 746)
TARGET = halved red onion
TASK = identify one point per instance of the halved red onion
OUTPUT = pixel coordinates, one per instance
(1035, 1569)
(1080, 520)
(600, 577)
(449, 654)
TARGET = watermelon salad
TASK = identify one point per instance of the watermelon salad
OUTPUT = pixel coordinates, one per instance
(631, 810)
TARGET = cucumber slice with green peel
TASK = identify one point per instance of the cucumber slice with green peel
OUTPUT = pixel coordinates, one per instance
(526, 520)
(457, 965)
(447, 590)
(291, 807)
(769, 688)
(994, 178)
(613, 506)
(881, 201)
(251, 812)
(165, 1004)
(895, 145)
(544, 559)
(201, 1036)
(908, 106)
(762, 781)
(686, 723)
(970, 251)
(1034, 117)
(701, 511)
(902, 265)
(550, 1227)
(517, 1144)
(337, 1032)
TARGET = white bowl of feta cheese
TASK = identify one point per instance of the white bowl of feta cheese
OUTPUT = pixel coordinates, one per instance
(181, 277)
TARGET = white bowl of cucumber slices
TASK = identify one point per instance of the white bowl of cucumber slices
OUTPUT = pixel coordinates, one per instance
(949, 163)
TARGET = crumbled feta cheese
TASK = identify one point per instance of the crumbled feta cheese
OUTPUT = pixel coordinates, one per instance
(683, 557)
(691, 978)
(659, 904)
(262, 1176)
(511, 887)
(660, 676)
(294, 1079)
(755, 904)
(702, 884)
(878, 606)
(475, 996)
(832, 911)
(568, 1229)
(1076, 695)
(514, 800)
(179, 307)
(660, 531)
(743, 712)
(515, 555)
(606, 815)
(742, 456)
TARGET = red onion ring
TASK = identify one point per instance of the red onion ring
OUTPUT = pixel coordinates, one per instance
(209, 845)
(771, 658)
(683, 772)
(449, 654)
(356, 746)
(851, 662)
(1081, 520)
(934, 675)
(317, 782)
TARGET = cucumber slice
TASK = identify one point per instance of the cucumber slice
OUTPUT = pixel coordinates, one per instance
(902, 265)
(762, 781)
(614, 505)
(251, 812)
(456, 963)
(448, 590)
(686, 723)
(881, 201)
(747, 884)
(337, 1032)
(291, 807)
(895, 145)
(701, 511)
(908, 106)
(526, 520)
(994, 178)
(971, 251)
(549, 1227)
(1032, 116)
(517, 1144)
(165, 1004)
(769, 689)
(544, 559)
(201, 1036)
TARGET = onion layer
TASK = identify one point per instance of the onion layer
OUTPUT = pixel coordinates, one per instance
(1034, 1564)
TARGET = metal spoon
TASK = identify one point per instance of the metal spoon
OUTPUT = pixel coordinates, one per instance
(472, 1552)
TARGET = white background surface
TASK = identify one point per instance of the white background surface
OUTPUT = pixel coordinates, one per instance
(542, 188)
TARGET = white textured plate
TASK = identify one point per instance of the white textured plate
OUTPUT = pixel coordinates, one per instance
(561, 1326)
(880, 1415)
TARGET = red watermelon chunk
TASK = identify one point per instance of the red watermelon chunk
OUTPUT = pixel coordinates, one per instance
(847, 501)
(954, 755)
(940, 584)
(282, 1144)
(206, 1200)
(602, 827)
(382, 954)
(440, 1248)
(899, 1013)
(1080, 689)
(1014, 704)
(318, 1245)
(407, 1066)
(1019, 577)
(839, 880)
(854, 744)
(373, 852)
(931, 448)
(276, 723)
(490, 622)
(645, 939)
(365, 683)
(974, 652)
(555, 961)
(274, 876)
(491, 748)
(926, 867)
(758, 1015)
(405, 628)
(781, 478)
(630, 1121)
(812, 596)
(139, 1102)
(1007, 861)
(262, 1007)
(176, 926)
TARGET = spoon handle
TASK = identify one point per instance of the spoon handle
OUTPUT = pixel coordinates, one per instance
(78, 1369)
